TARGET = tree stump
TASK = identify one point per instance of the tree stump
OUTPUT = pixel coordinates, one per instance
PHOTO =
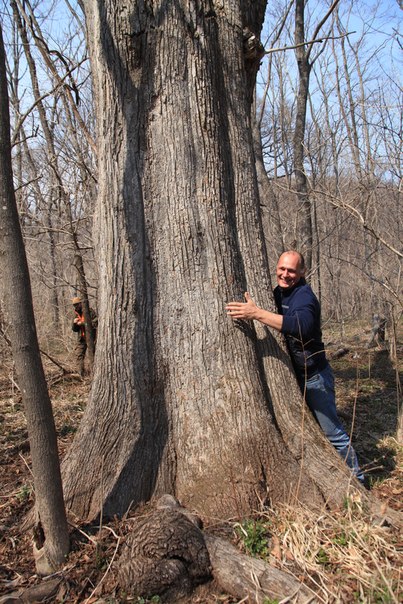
(165, 554)
(168, 555)
(378, 331)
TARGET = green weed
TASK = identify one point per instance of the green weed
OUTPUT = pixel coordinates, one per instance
(254, 535)
(378, 595)
(342, 539)
(322, 557)
(24, 493)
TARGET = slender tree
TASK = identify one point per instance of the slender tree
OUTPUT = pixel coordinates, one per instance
(51, 534)
(305, 60)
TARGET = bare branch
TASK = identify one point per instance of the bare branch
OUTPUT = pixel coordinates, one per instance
(359, 216)
(321, 24)
(311, 42)
(40, 99)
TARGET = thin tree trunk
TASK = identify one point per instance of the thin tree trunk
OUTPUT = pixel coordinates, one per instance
(18, 311)
(53, 271)
(89, 329)
(301, 186)
(268, 199)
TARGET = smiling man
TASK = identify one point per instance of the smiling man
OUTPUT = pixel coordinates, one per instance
(299, 321)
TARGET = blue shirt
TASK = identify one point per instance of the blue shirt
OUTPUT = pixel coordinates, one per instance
(302, 328)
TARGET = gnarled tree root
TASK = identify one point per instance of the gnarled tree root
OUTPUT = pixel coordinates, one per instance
(167, 554)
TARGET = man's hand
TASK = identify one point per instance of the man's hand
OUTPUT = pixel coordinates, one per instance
(246, 311)
(243, 311)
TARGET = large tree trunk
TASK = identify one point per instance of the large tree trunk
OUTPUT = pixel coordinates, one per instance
(183, 402)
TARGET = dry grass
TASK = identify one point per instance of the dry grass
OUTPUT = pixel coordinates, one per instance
(343, 556)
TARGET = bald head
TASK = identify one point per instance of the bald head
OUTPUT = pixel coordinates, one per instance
(290, 269)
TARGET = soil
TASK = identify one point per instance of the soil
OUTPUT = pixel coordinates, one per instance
(368, 389)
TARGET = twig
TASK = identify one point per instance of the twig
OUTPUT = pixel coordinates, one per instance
(54, 361)
(320, 40)
(26, 463)
(105, 573)
(101, 495)
(108, 528)
(14, 383)
(84, 534)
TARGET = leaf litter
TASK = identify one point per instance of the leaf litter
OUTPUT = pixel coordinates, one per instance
(343, 556)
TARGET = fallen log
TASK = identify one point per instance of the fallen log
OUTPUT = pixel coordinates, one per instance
(37, 593)
(242, 576)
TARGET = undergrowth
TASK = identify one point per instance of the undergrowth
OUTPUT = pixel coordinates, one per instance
(342, 556)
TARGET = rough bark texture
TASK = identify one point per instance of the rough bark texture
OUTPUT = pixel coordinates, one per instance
(16, 300)
(183, 402)
(251, 578)
(167, 554)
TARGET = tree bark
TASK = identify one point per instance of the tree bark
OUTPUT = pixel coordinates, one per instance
(182, 401)
(52, 531)
(89, 328)
(252, 578)
(304, 69)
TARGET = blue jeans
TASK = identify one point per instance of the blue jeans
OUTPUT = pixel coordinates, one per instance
(321, 399)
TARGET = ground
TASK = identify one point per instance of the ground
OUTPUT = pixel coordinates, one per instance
(343, 558)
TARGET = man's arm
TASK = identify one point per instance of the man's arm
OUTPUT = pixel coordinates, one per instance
(246, 311)
(77, 322)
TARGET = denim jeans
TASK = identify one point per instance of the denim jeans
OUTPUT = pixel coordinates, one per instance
(321, 399)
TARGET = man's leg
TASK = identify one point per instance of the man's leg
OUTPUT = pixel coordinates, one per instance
(80, 350)
(321, 399)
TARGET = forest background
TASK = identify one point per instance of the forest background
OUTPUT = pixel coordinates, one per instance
(352, 159)
(352, 149)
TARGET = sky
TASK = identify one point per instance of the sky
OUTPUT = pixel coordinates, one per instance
(379, 20)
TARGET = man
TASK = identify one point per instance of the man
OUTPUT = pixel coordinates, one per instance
(79, 327)
(299, 321)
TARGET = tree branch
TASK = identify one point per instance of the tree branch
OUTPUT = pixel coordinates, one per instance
(311, 42)
(40, 99)
(321, 24)
(357, 214)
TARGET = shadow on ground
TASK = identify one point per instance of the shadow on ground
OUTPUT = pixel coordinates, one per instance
(367, 401)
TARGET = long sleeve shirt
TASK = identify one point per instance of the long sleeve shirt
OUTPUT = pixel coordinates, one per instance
(302, 328)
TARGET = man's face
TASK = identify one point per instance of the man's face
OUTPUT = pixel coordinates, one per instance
(288, 270)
